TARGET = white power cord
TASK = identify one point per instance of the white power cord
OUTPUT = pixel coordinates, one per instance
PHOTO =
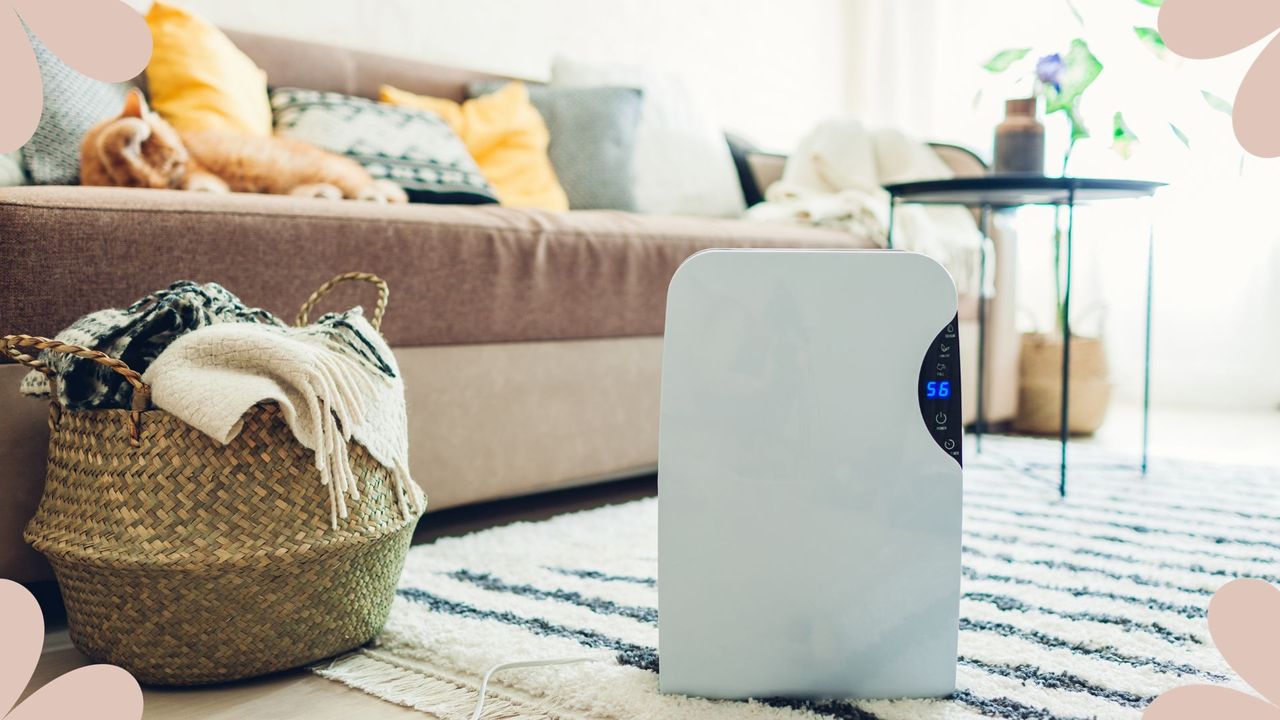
(526, 664)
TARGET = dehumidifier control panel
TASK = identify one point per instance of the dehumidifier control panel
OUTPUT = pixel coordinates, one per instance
(940, 390)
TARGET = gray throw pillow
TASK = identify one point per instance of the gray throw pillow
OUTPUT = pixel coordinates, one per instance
(413, 148)
(593, 133)
(73, 103)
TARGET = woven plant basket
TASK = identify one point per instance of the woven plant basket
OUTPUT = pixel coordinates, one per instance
(1040, 386)
(187, 562)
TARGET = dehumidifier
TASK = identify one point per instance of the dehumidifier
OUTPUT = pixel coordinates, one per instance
(809, 476)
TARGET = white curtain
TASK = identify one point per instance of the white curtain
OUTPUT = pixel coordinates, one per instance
(916, 64)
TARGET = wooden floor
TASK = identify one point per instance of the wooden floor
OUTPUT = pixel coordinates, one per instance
(299, 694)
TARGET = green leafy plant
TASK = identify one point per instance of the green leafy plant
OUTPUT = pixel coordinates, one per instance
(1061, 79)
(1216, 102)
(1003, 59)
(1150, 37)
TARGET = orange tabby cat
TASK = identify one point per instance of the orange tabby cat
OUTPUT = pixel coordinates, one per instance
(140, 149)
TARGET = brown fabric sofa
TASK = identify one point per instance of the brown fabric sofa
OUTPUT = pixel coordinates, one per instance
(530, 341)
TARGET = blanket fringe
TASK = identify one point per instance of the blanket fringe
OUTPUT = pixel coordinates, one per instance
(418, 690)
(339, 386)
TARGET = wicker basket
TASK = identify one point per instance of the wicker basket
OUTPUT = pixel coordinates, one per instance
(188, 562)
(1040, 386)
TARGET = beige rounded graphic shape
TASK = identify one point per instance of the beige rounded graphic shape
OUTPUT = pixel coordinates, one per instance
(95, 691)
(19, 84)
(1244, 620)
(1257, 115)
(104, 39)
(1200, 29)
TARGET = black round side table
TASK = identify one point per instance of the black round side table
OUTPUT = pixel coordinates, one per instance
(1001, 192)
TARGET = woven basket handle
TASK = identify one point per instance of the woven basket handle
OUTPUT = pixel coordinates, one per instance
(13, 346)
(378, 310)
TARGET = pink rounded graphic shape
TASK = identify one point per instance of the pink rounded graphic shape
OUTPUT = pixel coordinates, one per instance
(1244, 620)
(1200, 702)
(19, 83)
(101, 692)
(1256, 119)
(104, 39)
(1201, 29)
(22, 627)
(94, 691)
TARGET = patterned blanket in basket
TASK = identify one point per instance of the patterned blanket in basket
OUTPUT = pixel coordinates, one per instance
(209, 359)
(137, 335)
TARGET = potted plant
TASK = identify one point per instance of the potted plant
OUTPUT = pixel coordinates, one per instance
(1059, 81)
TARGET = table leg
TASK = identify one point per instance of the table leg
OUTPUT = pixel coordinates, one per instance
(1063, 430)
(1146, 353)
(980, 425)
(888, 235)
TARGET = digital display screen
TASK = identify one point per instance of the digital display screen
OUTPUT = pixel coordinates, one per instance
(937, 389)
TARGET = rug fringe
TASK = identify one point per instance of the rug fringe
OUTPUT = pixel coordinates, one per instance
(419, 690)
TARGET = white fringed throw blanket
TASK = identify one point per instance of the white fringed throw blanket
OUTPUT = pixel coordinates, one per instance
(834, 180)
(335, 381)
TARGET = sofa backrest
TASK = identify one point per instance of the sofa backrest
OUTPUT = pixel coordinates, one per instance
(297, 63)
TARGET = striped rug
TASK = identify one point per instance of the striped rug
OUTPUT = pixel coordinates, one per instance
(1084, 608)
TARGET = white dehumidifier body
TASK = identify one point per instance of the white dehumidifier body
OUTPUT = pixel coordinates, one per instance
(809, 476)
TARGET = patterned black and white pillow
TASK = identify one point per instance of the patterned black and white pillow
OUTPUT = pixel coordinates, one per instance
(73, 103)
(413, 148)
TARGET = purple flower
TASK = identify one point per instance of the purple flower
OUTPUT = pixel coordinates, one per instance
(1049, 70)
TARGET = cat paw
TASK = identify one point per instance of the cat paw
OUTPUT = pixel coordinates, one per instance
(203, 182)
(324, 191)
(383, 191)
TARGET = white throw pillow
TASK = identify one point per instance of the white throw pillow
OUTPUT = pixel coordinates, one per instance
(11, 169)
(682, 163)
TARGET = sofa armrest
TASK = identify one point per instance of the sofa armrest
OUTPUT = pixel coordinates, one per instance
(962, 161)
(766, 169)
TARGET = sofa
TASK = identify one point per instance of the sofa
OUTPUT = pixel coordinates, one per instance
(530, 341)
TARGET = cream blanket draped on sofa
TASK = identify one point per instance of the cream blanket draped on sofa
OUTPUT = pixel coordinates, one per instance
(834, 179)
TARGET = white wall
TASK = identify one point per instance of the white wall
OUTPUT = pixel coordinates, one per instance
(765, 68)
(916, 64)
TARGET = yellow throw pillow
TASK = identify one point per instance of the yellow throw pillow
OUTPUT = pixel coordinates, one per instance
(199, 80)
(506, 136)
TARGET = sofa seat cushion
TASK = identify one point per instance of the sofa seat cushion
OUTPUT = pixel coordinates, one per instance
(458, 274)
